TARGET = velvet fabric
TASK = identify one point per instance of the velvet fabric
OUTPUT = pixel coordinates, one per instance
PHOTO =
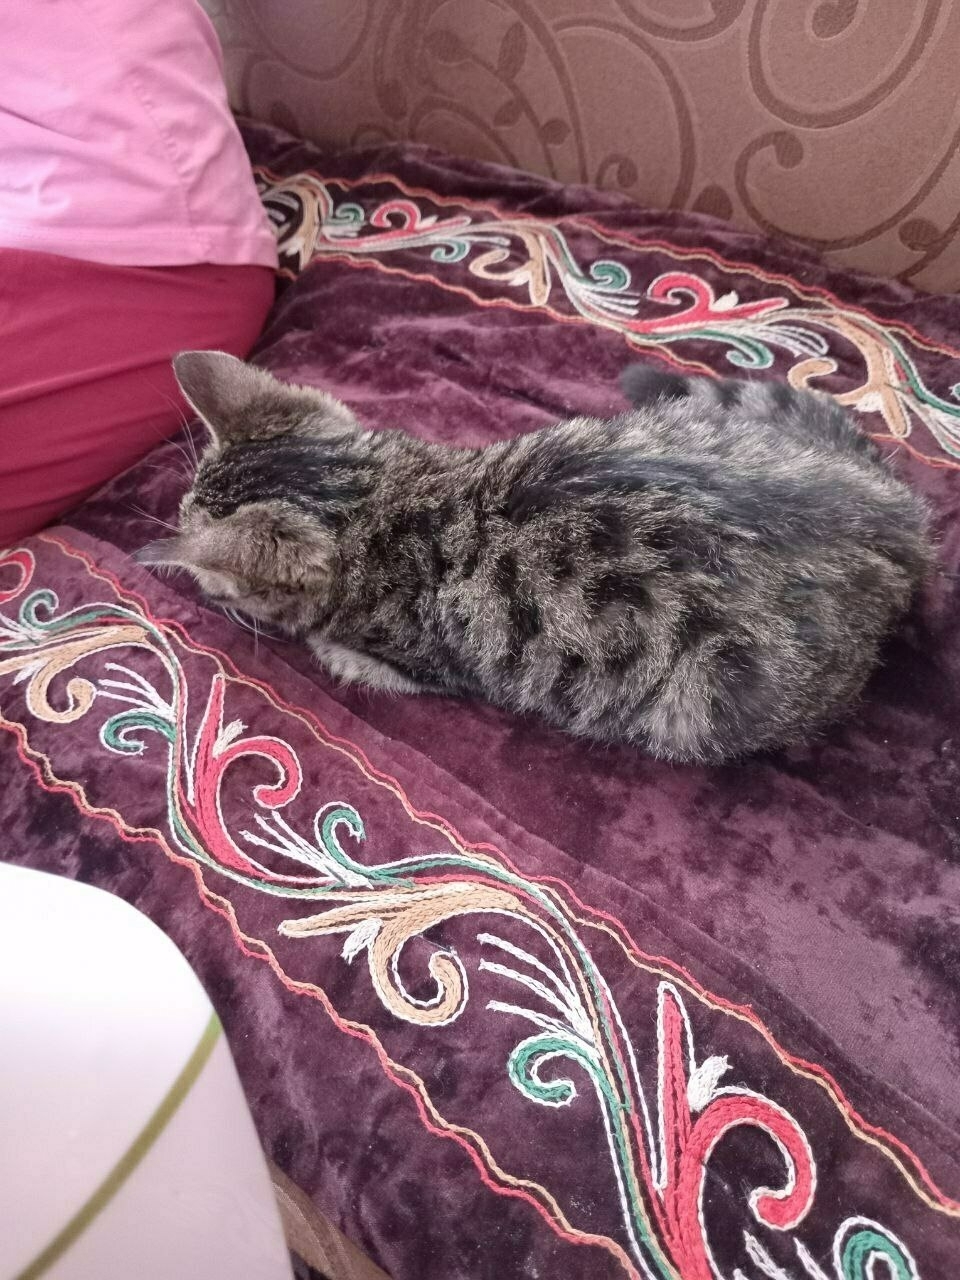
(506, 1004)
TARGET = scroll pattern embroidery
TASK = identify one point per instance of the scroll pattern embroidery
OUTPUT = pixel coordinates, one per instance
(572, 1031)
(532, 260)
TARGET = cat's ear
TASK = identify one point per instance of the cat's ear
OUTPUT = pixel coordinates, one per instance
(240, 402)
(224, 391)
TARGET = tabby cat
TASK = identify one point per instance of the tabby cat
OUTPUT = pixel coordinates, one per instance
(706, 575)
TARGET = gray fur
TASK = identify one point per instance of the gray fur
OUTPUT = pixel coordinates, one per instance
(706, 575)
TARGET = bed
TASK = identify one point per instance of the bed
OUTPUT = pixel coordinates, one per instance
(505, 1004)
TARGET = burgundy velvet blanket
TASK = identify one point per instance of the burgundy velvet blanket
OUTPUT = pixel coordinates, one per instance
(505, 1004)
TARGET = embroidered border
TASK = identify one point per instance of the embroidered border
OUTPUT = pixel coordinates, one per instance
(528, 260)
(659, 1146)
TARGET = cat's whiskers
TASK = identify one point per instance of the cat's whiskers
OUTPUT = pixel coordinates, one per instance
(177, 472)
(252, 625)
(193, 446)
(248, 624)
(190, 458)
(149, 516)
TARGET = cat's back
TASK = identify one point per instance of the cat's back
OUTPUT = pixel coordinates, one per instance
(763, 462)
(701, 577)
(702, 583)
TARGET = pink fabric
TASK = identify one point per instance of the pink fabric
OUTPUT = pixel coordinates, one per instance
(117, 142)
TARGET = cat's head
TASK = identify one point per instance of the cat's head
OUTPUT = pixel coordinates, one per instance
(258, 529)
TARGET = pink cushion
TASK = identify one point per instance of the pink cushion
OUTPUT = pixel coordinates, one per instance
(117, 142)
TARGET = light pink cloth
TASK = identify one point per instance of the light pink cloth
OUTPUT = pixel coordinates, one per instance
(116, 141)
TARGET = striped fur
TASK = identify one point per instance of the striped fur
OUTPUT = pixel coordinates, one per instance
(707, 575)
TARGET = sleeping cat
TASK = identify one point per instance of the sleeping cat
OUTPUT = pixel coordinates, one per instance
(706, 575)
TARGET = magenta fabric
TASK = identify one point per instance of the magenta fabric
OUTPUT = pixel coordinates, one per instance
(87, 385)
(506, 1004)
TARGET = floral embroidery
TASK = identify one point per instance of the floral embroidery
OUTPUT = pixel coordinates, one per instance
(533, 258)
(572, 1031)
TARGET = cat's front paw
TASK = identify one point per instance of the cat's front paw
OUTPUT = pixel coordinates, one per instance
(353, 667)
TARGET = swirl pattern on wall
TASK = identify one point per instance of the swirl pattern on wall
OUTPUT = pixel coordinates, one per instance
(831, 122)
